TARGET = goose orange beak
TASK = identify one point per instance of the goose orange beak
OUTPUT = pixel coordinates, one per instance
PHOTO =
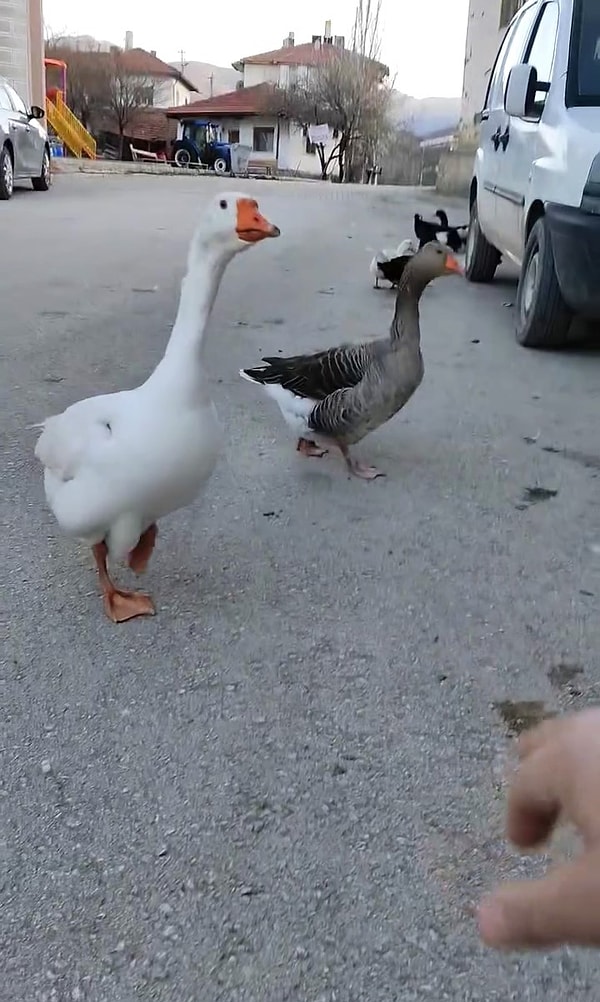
(251, 226)
(453, 266)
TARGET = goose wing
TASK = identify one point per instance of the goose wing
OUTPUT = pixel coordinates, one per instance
(347, 414)
(315, 376)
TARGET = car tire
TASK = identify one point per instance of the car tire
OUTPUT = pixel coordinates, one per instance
(543, 317)
(43, 182)
(7, 174)
(481, 258)
(220, 166)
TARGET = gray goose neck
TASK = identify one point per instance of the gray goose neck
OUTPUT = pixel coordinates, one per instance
(405, 325)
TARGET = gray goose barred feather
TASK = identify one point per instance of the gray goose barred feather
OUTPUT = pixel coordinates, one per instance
(315, 377)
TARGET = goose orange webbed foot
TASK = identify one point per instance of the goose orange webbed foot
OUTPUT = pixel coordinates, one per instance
(119, 605)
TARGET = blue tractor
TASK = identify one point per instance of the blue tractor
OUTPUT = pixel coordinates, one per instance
(198, 143)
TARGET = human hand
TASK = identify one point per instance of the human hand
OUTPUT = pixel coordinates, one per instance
(558, 778)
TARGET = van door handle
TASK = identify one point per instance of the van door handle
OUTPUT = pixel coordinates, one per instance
(495, 139)
(504, 138)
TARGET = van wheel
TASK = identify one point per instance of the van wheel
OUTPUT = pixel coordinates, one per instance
(481, 258)
(543, 317)
(7, 176)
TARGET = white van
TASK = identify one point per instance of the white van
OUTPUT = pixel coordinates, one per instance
(535, 191)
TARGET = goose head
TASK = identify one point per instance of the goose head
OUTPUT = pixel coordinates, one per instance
(432, 261)
(232, 223)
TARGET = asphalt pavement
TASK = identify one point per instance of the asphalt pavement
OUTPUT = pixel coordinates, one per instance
(287, 786)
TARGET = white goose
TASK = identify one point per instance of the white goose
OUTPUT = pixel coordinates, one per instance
(115, 464)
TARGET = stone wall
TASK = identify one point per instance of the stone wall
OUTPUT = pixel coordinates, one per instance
(455, 170)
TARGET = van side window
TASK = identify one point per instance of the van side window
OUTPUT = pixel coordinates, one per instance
(515, 47)
(589, 54)
(541, 48)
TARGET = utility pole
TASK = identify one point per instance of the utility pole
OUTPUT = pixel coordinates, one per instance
(210, 80)
(182, 60)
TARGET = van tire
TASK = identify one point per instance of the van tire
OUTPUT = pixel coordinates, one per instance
(543, 317)
(482, 258)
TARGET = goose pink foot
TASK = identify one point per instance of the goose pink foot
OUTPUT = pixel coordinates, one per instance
(358, 469)
(309, 448)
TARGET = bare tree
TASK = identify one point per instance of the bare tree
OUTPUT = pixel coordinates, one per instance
(127, 94)
(346, 91)
(88, 79)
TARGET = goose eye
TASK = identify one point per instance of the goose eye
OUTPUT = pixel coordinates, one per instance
(223, 203)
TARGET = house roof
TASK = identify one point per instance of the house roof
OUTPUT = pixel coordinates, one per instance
(143, 63)
(149, 125)
(245, 101)
(306, 54)
(138, 62)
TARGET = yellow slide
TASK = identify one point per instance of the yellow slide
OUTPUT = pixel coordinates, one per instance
(69, 129)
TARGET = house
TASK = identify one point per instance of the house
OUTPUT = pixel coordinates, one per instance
(158, 86)
(22, 48)
(486, 25)
(246, 115)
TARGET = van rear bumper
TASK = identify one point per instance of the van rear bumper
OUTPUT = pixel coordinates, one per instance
(575, 236)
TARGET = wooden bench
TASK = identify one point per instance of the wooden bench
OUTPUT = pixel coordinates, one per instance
(261, 168)
(144, 155)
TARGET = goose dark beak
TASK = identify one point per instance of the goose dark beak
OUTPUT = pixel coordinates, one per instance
(251, 226)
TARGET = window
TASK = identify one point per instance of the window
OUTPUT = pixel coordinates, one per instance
(146, 95)
(234, 135)
(541, 49)
(508, 9)
(511, 53)
(17, 103)
(263, 139)
(583, 83)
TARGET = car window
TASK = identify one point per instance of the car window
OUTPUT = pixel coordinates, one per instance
(4, 99)
(541, 48)
(515, 48)
(17, 103)
(588, 54)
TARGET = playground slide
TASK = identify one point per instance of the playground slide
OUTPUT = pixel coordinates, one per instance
(69, 129)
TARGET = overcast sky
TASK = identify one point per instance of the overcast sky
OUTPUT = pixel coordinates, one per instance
(423, 42)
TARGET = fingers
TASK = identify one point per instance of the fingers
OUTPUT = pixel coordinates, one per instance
(564, 907)
(534, 799)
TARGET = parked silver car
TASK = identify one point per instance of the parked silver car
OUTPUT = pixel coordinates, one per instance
(24, 149)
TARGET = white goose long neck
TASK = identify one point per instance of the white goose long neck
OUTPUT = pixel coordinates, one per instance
(182, 363)
(205, 268)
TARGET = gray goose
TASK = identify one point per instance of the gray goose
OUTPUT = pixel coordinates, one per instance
(339, 395)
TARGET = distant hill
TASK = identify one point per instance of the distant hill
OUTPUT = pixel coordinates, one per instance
(223, 78)
(426, 115)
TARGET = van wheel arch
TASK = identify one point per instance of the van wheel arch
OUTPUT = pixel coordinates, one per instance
(536, 211)
(472, 192)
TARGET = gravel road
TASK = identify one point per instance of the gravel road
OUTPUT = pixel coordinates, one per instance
(287, 785)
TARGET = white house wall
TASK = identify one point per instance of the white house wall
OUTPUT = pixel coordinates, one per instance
(254, 75)
(171, 93)
(483, 40)
(292, 143)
